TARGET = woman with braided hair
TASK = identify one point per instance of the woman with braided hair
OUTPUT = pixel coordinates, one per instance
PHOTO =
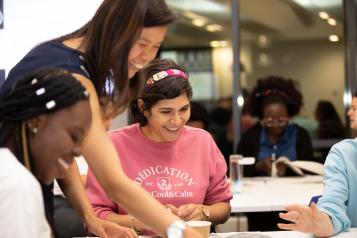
(105, 54)
(42, 124)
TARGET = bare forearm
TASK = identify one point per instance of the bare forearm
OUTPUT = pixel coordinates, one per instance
(126, 220)
(73, 187)
(219, 212)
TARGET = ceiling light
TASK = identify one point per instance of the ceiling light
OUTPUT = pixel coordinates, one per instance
(198, 22)
(240, 101)
(323, 15)
(217, 43)
(332, 22)
(263, 41)
(214, 27)
(333, 38)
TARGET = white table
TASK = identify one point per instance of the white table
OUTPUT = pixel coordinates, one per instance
(263, 194)
(352, 233)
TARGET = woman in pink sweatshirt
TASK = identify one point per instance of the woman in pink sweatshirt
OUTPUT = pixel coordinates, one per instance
(180, 166)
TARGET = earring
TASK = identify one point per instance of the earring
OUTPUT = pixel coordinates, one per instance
(32, 129)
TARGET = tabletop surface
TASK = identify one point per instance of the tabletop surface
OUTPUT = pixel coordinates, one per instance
(351, 233)
(262, 194)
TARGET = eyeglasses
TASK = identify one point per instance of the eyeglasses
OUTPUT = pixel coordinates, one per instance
(275, 121)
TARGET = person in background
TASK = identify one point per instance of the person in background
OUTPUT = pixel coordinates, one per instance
(43, 121)
(274, 100)
(329, 125)
(179, 165)
(104, 55)
(352, 112)
(335, 211)
(199, 116)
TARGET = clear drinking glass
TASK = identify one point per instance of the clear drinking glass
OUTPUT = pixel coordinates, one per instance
(235, 172)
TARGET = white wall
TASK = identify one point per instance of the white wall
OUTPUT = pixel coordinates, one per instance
(318, 67)
(30, 22)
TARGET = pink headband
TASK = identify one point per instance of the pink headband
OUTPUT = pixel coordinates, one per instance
(163, 74)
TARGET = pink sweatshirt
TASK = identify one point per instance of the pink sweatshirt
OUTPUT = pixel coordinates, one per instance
(188, 170)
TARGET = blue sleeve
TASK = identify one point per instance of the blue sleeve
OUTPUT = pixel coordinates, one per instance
(336, 192)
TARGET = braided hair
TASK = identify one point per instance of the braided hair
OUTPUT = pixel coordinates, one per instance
(274, 89)
(45, 91)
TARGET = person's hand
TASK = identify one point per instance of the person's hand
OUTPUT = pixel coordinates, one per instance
(190, 212)
(264, 165)
(106, 229)
(307, 219)
(280, 168)
(171, 208)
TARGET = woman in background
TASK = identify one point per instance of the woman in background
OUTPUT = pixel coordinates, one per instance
(179, 165)
(274, 100)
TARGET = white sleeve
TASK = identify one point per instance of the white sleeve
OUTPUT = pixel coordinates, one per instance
(23, 213)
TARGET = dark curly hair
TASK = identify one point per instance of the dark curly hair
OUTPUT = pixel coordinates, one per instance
(167, 88)
(275, 89)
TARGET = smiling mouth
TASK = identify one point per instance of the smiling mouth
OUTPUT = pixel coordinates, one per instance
(136, 65)
(172, 129)
(64, 164)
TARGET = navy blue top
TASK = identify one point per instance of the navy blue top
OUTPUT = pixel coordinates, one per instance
(51, 53)
(285, 146)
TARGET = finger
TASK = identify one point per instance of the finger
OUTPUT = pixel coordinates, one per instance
(289, 216)
(314, 210)
(172, 208)
(296, 207)
(285, 226)
(182, 210)
(102, 234)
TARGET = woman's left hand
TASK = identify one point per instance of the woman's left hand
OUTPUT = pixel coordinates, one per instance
(190, 212)
(107, 229)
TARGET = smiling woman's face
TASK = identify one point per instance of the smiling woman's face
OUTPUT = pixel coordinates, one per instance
(58, 140)
(167, 118)
(145, 48)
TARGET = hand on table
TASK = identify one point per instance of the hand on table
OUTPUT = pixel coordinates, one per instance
(307, 219)
(190, 212)
(265, 165)
(280, 168)
(106, 229)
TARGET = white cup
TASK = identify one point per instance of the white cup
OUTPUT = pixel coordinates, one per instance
(203, 227)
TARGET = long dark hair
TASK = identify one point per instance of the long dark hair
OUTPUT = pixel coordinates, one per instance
(107, 40)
